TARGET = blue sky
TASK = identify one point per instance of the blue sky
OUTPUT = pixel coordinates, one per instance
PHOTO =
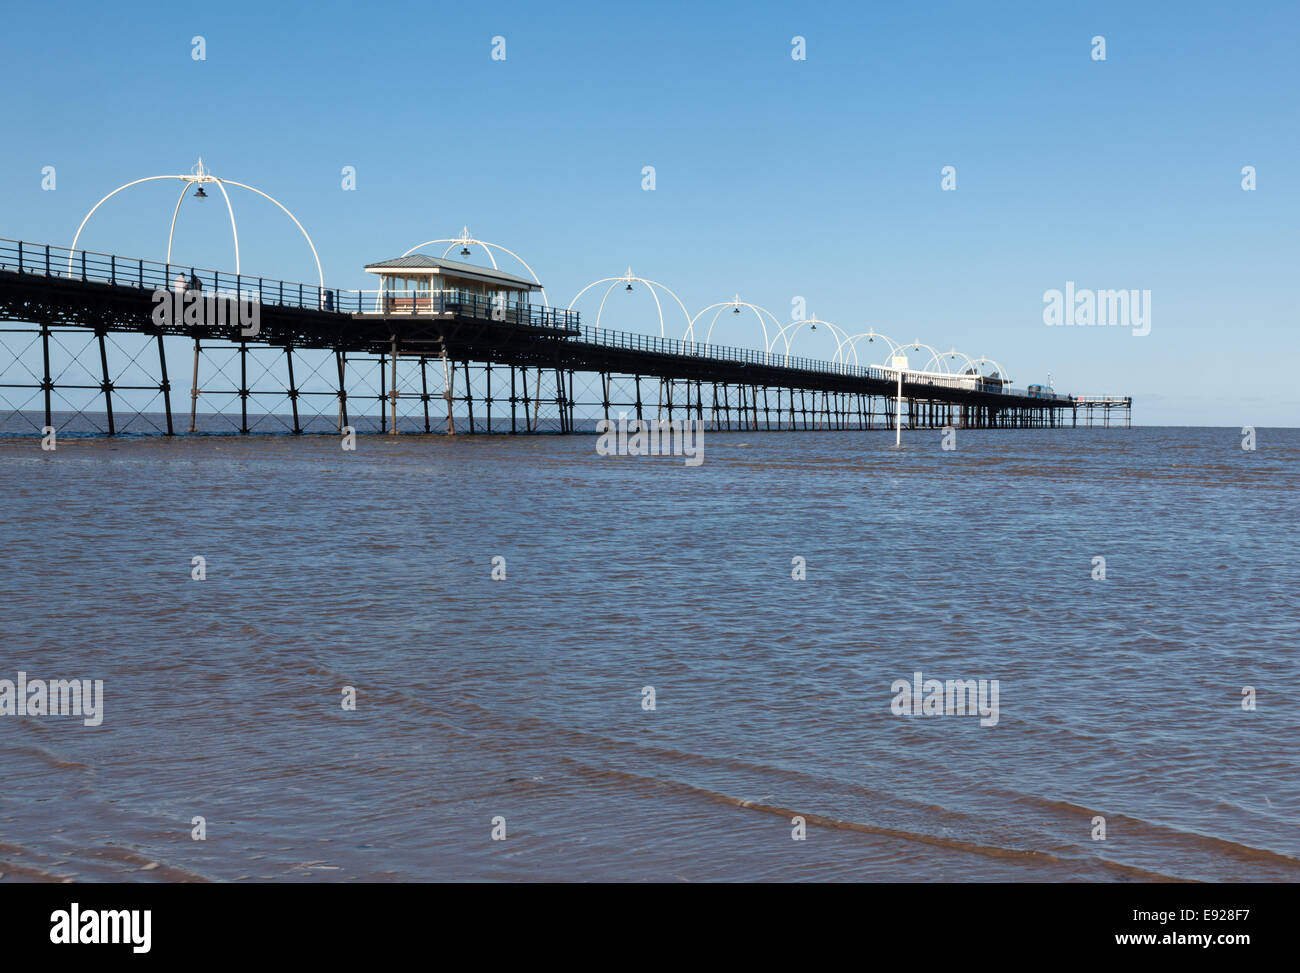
(775, 178)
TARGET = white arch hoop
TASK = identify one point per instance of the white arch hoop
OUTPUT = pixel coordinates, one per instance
(1000, 371)
(950, 353)
(199, 176)
(935, 353)
(319, 273)
(871, 335)
(838, 333)
(629, 278)
(736, 303)
(465, 241)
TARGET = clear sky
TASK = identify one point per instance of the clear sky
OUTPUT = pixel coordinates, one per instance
(775, 178)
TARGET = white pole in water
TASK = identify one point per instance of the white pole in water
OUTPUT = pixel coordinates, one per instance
(900, 362)
(898, 421)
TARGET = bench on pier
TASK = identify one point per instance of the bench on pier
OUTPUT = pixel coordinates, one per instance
(408, 305)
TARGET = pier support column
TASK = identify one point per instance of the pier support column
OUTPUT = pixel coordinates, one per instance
(513, 399)
(523, 376)
(392, 392)
(448, 379)
(537, 402)
(47, 383)
(165, 386)
(424, 391)
(194, 387)
(560, 398)
(243, 387)
(107, 386)
(469, 394)
(340, 359)
(293, 388)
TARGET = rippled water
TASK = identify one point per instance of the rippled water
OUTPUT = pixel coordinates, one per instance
(523, 698)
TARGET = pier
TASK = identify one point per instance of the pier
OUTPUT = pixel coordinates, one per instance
(440, 346)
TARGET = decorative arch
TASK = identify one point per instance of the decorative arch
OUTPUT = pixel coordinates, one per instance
(871, 335)
(952, 353)
(736, 303)
(465, 241)
(629, 279)
(200, 176)
(836, 332)
(935, 355)
(998, 369)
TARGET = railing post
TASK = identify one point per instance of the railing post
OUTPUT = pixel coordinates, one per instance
(83, 265)
(142, 275)
(20, 255)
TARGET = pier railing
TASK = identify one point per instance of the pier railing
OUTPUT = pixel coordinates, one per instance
(90, 266)
(106, 268)
(699, 349)
(749, 356)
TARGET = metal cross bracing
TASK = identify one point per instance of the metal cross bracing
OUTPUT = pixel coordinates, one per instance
(92, 381)
(221, 386)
